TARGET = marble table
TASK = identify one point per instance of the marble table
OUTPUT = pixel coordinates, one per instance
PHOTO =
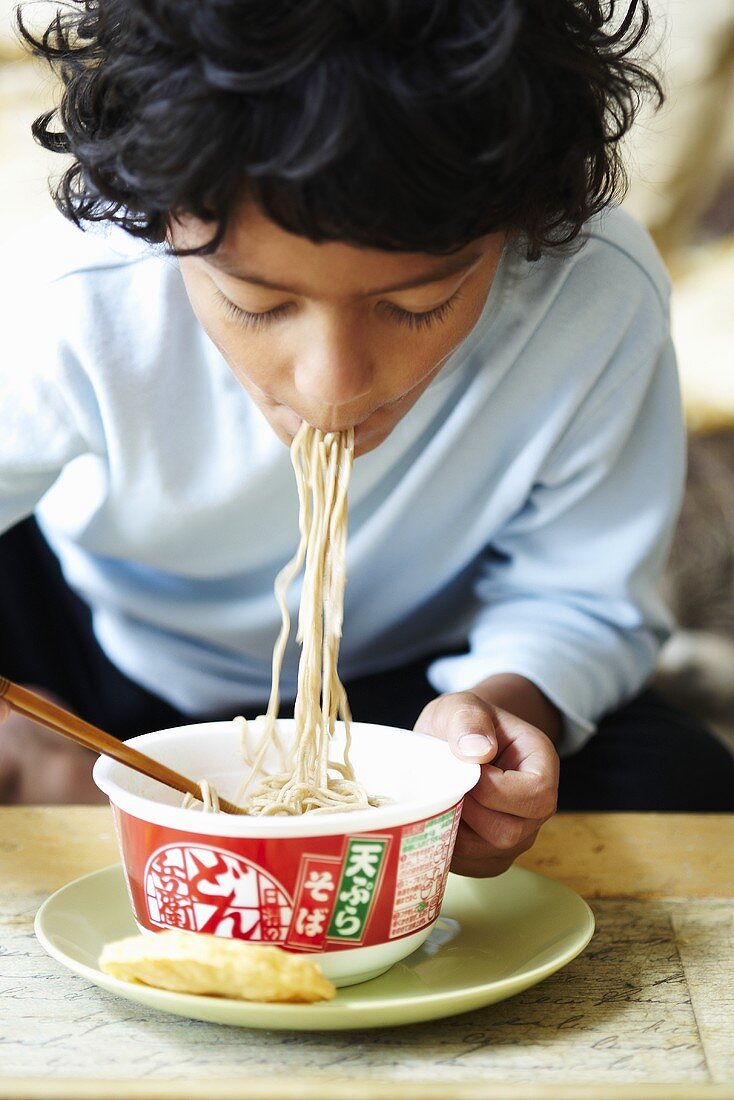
(647, 1010)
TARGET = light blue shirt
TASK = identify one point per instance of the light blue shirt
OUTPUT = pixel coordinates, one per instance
(524, 505)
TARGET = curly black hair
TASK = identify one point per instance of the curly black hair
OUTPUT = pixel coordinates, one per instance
(411, 125)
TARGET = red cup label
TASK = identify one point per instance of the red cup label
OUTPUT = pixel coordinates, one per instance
(306, 894)
(314, 902)
(201, 888)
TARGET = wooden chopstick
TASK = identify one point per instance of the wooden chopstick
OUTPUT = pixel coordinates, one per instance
(61, 721)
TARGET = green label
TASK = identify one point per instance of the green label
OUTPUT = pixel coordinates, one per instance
(357, 888)
(429, 834)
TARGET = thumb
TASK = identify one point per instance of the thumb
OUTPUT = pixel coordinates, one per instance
(464, 721)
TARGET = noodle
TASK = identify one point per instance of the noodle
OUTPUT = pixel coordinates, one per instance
(209, 798)
(308, 779)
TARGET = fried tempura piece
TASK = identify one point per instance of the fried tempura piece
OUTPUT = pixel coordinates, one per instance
(193, 962)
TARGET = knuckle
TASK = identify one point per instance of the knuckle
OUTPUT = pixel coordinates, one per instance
(507, 835)
(467, 705)
(551, 803)
(542, 801)
(526, 843)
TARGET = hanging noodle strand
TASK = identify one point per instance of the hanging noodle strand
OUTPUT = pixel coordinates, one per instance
(308, 779)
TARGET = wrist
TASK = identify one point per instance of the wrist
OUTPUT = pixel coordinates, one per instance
(523, 698)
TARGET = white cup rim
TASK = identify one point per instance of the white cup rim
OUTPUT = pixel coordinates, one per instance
(457, 777)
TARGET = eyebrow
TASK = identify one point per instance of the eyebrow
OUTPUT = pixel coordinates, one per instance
(451, 267)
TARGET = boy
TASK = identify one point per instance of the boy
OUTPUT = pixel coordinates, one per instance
(362, 215)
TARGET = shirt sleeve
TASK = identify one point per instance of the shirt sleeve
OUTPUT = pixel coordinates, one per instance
(569, 590)
(44, 396)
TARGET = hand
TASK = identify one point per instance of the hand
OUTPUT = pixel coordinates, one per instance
(38, 766)
(518, 787)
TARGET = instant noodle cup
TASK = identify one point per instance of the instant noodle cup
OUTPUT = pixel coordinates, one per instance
(358, 890)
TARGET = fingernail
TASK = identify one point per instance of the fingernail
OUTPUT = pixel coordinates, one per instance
(474, 744)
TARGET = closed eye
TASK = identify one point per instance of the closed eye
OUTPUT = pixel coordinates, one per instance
(406, 317)
(420, 320)
(248, 319)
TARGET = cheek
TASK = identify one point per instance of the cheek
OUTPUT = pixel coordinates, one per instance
(252, 357)
(251, 360)
(248, 354)
(412, 356)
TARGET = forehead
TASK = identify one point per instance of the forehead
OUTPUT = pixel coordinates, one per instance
(255, 245)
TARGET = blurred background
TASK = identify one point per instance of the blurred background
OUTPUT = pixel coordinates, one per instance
(681, 163)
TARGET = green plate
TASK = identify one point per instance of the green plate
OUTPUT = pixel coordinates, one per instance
(494, 938)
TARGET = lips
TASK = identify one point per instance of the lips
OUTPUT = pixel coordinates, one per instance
(292, 421)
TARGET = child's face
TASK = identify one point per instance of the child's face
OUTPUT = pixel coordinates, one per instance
(331, 333)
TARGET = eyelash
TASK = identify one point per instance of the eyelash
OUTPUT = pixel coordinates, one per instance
(422, 320)
(247, 319)
(402, 316)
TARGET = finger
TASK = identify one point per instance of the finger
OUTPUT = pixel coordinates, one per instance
(465, 722)
(487, 867)
(522, 747)
(4, 710)
(504, 832)
(472, 858)
(530, 795)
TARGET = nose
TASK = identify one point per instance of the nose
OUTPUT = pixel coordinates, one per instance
(334, 368)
